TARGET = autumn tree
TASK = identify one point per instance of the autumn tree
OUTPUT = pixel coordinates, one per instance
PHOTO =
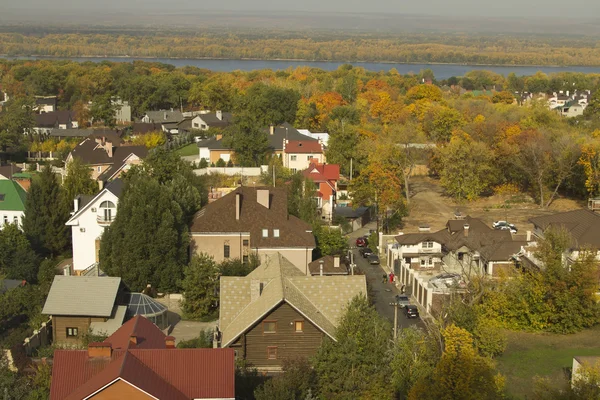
(103, 109)
(15, 121)
(466, 168)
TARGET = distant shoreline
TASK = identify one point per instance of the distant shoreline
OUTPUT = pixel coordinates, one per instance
(143, 58)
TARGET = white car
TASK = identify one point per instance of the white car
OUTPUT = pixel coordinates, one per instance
(504, 226)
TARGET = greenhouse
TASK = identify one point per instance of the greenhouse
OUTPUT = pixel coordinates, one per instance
(141, 304)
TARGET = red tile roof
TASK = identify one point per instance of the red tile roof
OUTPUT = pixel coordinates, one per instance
(303, 146)
(163, 373)
(322, 172)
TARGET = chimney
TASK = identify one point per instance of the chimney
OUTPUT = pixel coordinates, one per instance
(321, 268)
(165, 115)
(529, 236)
(336, 261)
(466, 230)
(99, 350)
(255, 289)
(271, 130)
(76, 204)
(169, 342)
(262, 197)
(237, 206)
(133, 340)
(219, 115)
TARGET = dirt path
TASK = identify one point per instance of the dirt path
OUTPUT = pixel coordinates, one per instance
(428, 205)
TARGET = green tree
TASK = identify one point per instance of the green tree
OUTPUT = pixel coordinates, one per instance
(330, 241)
(17, 259)
(16, 120)
(216, 94)
(269, 104)
(200, 287)
(249, 142)
(78, 180)
(103, 109)
(148, 240)
(467, 168)
(45, 216)
(295, 383)
(300, 198)
(357, 365)
(344, 145)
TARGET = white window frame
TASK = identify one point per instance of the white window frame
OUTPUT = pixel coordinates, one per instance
(276, 233)
(293, 158)
(427, 245)
(265, 233)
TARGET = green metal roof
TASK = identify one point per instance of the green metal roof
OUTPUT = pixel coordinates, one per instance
(23, 175)
(12, 196)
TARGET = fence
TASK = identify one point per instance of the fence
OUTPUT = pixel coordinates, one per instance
(40, 338)
(232, 171)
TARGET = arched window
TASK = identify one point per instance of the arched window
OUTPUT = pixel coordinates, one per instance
(107, 211)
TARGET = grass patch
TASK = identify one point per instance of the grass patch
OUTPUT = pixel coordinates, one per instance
(188, 150)
(546, 355)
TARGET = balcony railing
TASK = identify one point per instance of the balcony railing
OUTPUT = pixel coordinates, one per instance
(105, 221)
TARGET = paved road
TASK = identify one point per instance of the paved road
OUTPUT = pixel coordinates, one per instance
(383, 293)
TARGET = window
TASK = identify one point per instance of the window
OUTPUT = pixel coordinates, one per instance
(196, 125)
(422, 261)
(269, 327)
(299, 326)
(226, 251)
(5, 219)
(72, 332)
(272, 353)
(245, 260)
(430, 261)
(246, 242)
(427, 245)
(265, 233)
(461, 256)
(276, 233)
(107, 211)
(294, 170)
(16, 220)
(99, 169)
(293, 158)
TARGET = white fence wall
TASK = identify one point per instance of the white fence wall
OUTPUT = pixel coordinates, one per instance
(232, 171)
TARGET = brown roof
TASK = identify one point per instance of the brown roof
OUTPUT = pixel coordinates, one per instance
(120, 154)
(303, 146)
(91, 153)
(220, 217)
(53, 119)
(411, 239)
(143, 127)
(7, 171)
(160, 372)
(328, 267)
(583, 225)
(146, 333)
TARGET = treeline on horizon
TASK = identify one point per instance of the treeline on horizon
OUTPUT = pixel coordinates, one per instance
(320, 46)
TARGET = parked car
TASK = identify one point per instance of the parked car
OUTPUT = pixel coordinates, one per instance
(362, 242)
(411, 311)
(504, 226)
(401, 301)
(365, 251)
(373, 259)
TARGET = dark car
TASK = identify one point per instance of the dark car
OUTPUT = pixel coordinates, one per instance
(411, 311)
(365, 252)
(373, 259)
(362, 242)
(401, 301)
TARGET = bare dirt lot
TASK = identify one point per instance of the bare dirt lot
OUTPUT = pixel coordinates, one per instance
(428, 205)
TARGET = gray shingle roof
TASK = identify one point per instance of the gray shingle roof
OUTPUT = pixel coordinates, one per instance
(583, 225)
(164, 116)
(82, 296)
(321, 299)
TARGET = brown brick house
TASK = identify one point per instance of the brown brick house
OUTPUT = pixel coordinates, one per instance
(139, 361)
(277, 312)
(252, 220)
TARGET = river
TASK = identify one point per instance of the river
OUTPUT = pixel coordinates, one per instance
(441, 71)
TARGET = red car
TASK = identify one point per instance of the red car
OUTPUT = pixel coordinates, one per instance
(361, 242)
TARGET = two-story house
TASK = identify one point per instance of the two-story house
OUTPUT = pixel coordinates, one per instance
(300, 154)
(252, 220)
(91, 215)
(168, 119)
(277, 312)
(12, 202)
(326, 177)
(206, 121)
(106, 156)
(138, 361)
(45, 122)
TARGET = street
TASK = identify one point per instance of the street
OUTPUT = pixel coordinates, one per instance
(383, 293)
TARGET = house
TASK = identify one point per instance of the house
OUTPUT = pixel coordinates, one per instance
(277, 312)
(328, 266)
(322, 136)
(356, 217)
(583, 362)
(252, 220)
(570, 109)
(593, 203)
(583, 226)
(299, 154)
(210, 120)
(325, 177)
(141, 128)
(45, 104)
(214, 149)
(91, 216)
(77, 302)
(433, 265)
(122, 111)
(55, 119)
(77, 133)
(106, 157)
(138, 361)
(167, 119)
(12, 202)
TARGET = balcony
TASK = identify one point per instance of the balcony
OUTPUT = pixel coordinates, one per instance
(104, 220)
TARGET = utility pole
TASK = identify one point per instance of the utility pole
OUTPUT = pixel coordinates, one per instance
(395, 319)
(350, 168)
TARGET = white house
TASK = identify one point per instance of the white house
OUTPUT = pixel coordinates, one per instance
(322, 136)
(299, 154)
(91, 215)
(123, 110)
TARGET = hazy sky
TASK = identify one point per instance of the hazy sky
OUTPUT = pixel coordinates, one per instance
(524, 8)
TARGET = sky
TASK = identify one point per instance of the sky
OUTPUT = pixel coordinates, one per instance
(484, 8)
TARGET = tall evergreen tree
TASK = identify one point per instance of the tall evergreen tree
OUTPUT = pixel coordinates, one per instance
(78, 181)
(17, 259)
(45, 216)
(147, 242)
